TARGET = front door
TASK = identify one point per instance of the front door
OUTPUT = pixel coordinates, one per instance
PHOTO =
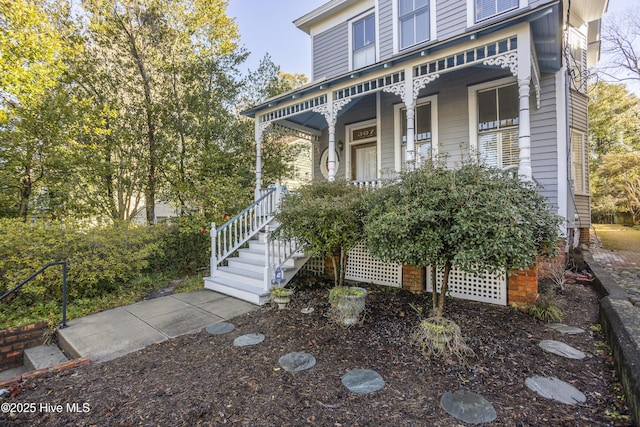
(364, 162)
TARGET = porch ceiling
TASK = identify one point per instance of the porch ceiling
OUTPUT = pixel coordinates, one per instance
(313, 120)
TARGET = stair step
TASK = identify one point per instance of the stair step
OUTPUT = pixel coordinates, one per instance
(251, 278)
(247, 264)
(237, 289)
(249, 253)
(43, 356)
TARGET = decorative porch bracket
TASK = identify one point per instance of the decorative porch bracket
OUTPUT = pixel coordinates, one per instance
(409, 90)
(330, 112)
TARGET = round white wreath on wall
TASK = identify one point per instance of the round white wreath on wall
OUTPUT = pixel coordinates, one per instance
(324, 163)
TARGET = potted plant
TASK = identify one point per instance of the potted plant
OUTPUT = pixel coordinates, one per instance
(281, 296)
(347, 303)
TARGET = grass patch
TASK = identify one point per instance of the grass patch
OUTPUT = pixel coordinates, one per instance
(618, 237)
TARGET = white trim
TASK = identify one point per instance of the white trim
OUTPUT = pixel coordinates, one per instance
(561, 135)
(396, 27)
(397, 128)
(350, 23)
(312, 65)
(379, 127)
(348, 132)
(473, 108)
(348, 10)
(377, 29)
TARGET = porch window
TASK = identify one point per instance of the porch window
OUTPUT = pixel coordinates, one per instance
(488, 8)
(498, 119)
(414, 22)
(423, 133)
(577, 162)
(364, 42)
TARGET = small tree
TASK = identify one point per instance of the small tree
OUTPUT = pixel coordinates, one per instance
(326, 218)
(476, 218)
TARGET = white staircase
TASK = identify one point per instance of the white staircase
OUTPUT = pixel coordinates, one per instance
(245, 276)
(252, 258)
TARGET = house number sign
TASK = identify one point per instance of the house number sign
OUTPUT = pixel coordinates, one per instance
(364, 133)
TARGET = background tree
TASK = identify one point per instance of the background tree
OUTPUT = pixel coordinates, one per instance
(622, 40)
(617, 183)
(475, 218)
(35, 110)
(614, 118)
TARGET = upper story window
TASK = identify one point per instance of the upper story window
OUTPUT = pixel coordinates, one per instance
(414, 21)
(488, 8)
(364, 42)
(578, 60)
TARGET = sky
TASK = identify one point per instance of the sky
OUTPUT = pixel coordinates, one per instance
(266, 26)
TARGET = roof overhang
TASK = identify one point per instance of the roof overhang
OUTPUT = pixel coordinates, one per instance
(546, 24)
(307, 21)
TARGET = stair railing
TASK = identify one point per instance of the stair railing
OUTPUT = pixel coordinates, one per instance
(64, 265)
(228, 238)
(278, 252)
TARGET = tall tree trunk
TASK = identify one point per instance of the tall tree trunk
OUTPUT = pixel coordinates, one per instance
(25, 193)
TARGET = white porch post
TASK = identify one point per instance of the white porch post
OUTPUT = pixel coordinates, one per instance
(330, 110)
(409, 99)
(524, 131)
(260, 128)
(523, 74)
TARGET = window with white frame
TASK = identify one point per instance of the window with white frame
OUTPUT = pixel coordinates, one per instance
(578, 173)
(498, 125)
(578, 60)
(363, 42)
(487, 8)
(423, 132)
(413, 16)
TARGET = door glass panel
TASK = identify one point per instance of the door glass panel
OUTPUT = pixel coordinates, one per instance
(366, 162)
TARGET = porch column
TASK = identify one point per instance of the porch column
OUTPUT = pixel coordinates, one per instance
(260, 128)
(332, 151)
(524, 131)
(411, 142)
(330, 110)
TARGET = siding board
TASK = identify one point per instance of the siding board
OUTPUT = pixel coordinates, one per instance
(331, 52)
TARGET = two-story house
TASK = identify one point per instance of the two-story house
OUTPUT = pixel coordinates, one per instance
(396, 82)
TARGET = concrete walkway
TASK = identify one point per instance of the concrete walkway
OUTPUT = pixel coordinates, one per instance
(113, 333)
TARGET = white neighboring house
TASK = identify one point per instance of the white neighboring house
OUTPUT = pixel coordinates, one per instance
(163, 212)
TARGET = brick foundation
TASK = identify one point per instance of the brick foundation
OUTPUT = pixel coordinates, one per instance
(547, 267)
(413, 279)
(522, 286)
(584, 236)
(14, 341)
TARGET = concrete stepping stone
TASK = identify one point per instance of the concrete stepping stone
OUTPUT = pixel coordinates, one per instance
(565, 329)
(220, 328)
(294, 362)
(556, 389)
(561, 349)
(469, 407)
(249, 339)
(363, 381)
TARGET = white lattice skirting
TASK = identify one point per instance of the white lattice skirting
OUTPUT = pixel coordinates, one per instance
(361, 266)
(490, 288)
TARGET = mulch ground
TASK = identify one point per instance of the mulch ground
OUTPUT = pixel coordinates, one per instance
(202, 379)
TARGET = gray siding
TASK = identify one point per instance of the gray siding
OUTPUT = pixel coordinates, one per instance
(451, 18)
(385, 28)
(544, 138)
(388, 134)
(331, 52)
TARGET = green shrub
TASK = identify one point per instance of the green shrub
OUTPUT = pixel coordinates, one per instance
(546, 308)
(186, 245)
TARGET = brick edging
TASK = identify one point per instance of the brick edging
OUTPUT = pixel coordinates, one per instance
(621, 324)
(37, 373)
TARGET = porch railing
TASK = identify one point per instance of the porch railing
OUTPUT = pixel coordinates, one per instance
(229, 237)
(278, 252)
(370, 184)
